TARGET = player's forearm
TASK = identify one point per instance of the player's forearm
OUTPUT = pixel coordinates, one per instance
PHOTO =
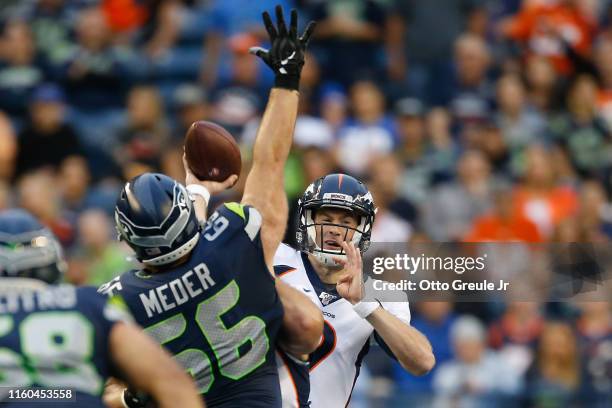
(275, 134)
(302, 322)
(264, 187)
(409, 346)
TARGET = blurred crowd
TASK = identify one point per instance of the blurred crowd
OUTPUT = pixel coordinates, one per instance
(470, 120)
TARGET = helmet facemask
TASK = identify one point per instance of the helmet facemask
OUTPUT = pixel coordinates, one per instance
(312, 236)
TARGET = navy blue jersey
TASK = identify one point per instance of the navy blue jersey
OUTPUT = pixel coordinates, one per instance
(218, 312)
(56, 338)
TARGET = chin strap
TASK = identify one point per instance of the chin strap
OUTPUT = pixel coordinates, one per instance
(328, 259)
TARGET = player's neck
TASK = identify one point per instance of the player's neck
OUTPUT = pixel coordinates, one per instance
(326, 274)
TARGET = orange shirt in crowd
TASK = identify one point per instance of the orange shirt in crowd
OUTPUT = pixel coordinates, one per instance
(539, 26)
(124, 15)
(492, 227)
(546, 210)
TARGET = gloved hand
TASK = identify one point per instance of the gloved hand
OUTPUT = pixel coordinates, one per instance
(134, 399)
(286, 55)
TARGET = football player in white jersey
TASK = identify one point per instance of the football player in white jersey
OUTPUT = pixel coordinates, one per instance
(336, 214)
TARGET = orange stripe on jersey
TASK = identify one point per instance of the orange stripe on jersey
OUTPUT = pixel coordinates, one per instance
(332, 348)
(280, 275)
(297, 396)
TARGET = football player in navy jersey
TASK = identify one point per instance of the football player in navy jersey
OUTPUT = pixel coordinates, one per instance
(68, 339)
(208, 292)
(336, 215)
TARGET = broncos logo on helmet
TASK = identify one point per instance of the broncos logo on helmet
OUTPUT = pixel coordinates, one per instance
(155, 216)
(335, 191)
(28, 249)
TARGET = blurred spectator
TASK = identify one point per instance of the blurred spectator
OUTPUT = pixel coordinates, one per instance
(145, 136)
(231, 17)
(502, 223)
(191, 103)
(48, 140)
(539, 197)
(19, 71)
(603, 63)
(515, 334)
(311, 131)
(334, 107)
(162, 26)
(471, 94)
(434, 320)
(369, 132)
(574, 262)
(105, 258)
(452, 207)
(475, 376)
(594, 213)
(239, 98)
(350, 36)
(427, 149)
(37, 194)
(383, 182)
(520, 325)
(555, 377)
(519, 124)
(8, 148)
(443, 148)
(419, 55)
(51, 22)
(542, 84)
(595, 340)
(77, 192)
(581, 131)
(411, 129)
(74, 178)
(95, 74)
(547, 27)
(310, 81)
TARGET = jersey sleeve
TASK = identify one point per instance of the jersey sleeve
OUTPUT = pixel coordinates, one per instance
(105, 309)
(285, 260)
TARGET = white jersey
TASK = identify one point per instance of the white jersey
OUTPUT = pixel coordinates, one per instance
(334, 366)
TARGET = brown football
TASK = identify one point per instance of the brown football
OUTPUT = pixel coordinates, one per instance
(211, 152)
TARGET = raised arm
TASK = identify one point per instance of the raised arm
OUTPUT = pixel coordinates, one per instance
(264, 187)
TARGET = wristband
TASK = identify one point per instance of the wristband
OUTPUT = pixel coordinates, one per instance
(364, 309)
(198, 189)
(287, 82)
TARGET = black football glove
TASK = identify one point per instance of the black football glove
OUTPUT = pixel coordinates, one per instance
(286, 55)
(135, 399)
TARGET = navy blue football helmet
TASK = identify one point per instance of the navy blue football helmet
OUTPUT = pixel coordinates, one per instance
(336, 191)
(155, 216)
(28, 249)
